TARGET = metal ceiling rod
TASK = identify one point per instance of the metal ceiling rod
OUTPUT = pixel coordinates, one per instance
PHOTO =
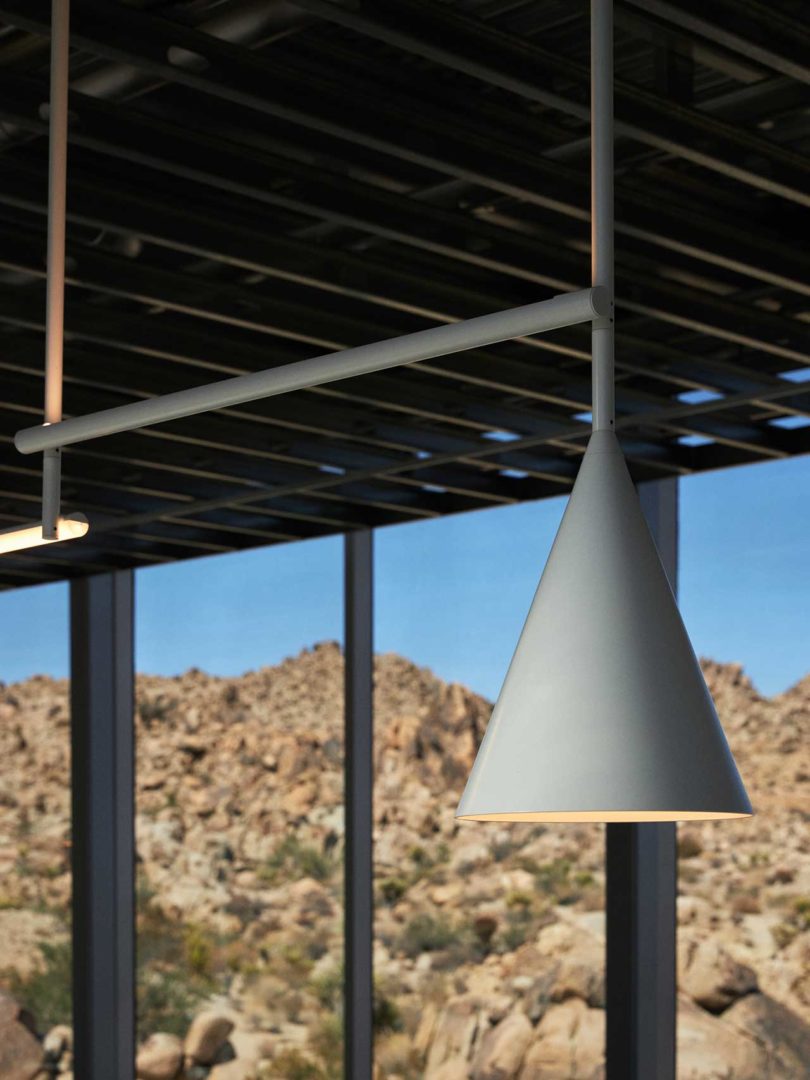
(567, 309)
(602, 336)
(55, 318)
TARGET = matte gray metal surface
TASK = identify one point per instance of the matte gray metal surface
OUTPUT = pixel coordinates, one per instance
(604, 714)
(567, 309)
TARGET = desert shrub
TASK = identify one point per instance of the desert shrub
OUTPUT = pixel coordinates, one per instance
(393, 889)
(296, 956)
(796, 922)
(167, 1001)
(386, 1014)
(424, 933)
(176, 971)
(324, 1060)
(801, 912)
(326, 1041)
(783, 933)
(293, 859)
(328, 988)
(419, 857)
(198, 951)
(155, 710)
(519, 924)
(759, 858)
(292, 1065)
(555, 881)
(502, 849)
(46, 992)
(397, 1056)
(517, 899)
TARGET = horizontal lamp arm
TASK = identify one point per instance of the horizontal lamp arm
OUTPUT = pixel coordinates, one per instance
(567, 309)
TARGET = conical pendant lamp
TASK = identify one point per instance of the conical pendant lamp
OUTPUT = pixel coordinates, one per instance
(604, 714)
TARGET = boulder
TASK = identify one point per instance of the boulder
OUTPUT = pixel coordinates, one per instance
(455, 1033)
(20, 1051)
(58, 1040)
(570, 1044)
(160, 1058)
(711, 976)
(238, 1069)
(456, 1068)
(710, 1048)
(502, 1048)
(783, 1036)
(206, 1036)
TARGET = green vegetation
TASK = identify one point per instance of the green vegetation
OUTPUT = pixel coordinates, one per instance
(393, 889)
(424, 863)
(179, 966)
(46, 992)
(795, 923)
(386, 1014)
(292, 859)
(155, 710)
(424, 933)
(328, 988)
(324, 1061)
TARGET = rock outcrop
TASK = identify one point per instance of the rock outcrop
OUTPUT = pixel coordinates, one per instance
(489, 939)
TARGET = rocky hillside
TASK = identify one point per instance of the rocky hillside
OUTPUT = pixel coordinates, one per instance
(489, 939)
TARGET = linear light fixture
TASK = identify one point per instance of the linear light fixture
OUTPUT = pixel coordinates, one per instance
(21, 537)
(604, 714)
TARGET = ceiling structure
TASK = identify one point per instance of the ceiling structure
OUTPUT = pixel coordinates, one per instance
(252, 183)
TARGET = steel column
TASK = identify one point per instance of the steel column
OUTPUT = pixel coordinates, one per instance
(102, 703)
(641, 894)
(358, 752)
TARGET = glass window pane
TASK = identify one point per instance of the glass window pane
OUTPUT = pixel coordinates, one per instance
(489, 937)
(35, 878)
(240, 810)
(744, 887)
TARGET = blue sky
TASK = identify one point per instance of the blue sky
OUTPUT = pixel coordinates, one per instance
(452, 593)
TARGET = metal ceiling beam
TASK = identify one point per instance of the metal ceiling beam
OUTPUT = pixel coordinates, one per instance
(478, 50)
(218, 233)
(800, 443)
(299, 92)
(167, 455)
(399, 394)
(483, 53)
(151, 285)
(761, 33)
(385, 214)
(155, 455)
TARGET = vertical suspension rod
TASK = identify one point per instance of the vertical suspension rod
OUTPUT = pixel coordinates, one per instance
(55, 313)
(602, 208)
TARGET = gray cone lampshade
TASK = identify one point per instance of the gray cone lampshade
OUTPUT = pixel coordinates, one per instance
(604, 714)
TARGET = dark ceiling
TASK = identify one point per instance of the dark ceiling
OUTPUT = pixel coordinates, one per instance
(253, 183)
